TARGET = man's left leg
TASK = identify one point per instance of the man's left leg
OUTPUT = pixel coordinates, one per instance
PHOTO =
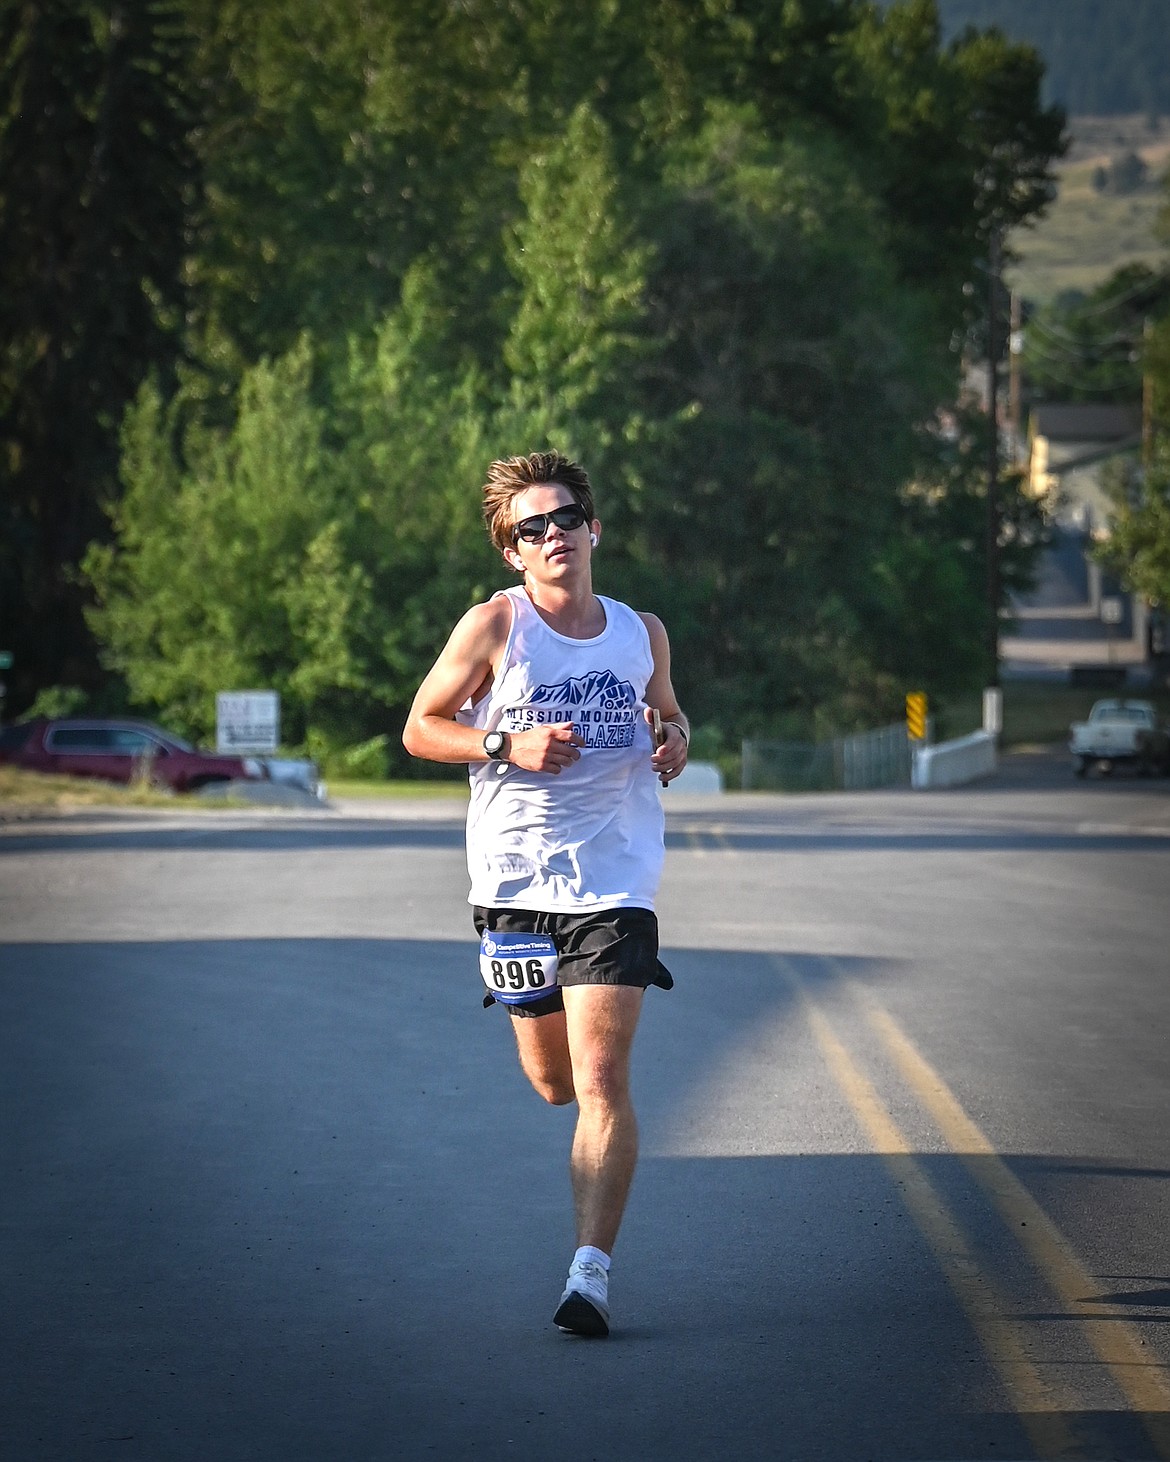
(601, 1021)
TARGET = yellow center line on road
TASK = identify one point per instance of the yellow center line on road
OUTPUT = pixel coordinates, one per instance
(703, 841)
(1140, 1378)
(1036, 1403)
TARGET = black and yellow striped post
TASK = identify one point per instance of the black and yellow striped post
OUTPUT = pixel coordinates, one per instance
(916, 715)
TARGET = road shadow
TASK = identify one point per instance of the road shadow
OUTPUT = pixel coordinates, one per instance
(291, 1200)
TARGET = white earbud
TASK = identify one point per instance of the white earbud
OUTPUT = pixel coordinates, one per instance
(593, 539)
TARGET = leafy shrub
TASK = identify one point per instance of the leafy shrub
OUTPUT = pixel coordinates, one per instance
(366, 761)
(56, 701)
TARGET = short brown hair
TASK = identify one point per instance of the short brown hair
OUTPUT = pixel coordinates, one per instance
(506, 479)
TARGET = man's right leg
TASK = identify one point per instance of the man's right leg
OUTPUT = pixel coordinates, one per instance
(542, 1042)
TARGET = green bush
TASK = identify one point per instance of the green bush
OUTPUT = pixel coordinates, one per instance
(368, 761)
(365, 761)
(57, 700)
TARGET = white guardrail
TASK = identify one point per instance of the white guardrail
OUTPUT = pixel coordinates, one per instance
(699, 776)
(951, 763)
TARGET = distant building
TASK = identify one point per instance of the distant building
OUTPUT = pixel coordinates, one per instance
(1078, 618)
(1068, 444)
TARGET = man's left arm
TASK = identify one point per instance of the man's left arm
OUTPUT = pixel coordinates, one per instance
(669, 758)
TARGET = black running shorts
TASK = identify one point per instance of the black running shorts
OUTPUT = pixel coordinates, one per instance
(607, 947)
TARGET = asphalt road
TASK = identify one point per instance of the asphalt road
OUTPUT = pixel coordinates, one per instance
(275, 1190)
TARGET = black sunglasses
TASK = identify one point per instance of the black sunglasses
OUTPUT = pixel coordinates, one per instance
(533, 529)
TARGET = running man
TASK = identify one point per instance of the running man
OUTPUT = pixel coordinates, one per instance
(550, 693)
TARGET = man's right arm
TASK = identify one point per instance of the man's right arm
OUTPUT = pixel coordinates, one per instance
(463, 672)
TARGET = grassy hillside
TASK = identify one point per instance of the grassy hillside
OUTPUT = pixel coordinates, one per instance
(1086, 235)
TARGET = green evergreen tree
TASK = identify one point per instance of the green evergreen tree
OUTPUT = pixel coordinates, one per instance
(97, 189)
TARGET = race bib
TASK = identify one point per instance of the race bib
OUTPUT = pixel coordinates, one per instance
(517, 968)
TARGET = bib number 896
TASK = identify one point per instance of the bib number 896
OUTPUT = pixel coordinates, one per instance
(516, 974)
(517, 968)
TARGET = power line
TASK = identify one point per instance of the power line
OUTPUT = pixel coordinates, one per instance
(1103, 306)
(1064, 339)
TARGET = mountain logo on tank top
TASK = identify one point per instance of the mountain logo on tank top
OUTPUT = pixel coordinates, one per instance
(598, 685)
(602, 708)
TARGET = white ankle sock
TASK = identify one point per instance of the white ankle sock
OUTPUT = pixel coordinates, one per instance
(589, 1255)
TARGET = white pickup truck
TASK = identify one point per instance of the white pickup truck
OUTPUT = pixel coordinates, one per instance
(1120, 731)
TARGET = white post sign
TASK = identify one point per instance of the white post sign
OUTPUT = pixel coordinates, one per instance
(993, 710)
(247, 720)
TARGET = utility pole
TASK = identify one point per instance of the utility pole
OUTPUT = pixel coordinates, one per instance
(992, 526)
(1142, 605)
(1015, 347)
(1147, 397)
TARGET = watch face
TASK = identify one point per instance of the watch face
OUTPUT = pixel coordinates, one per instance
(493, 743)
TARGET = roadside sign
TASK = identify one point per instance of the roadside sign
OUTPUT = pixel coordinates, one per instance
(916, 715)
(247, 720)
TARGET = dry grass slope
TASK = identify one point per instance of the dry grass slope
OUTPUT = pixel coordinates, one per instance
(1086, 235)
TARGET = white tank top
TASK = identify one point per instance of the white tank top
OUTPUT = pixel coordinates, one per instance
(592, 836)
